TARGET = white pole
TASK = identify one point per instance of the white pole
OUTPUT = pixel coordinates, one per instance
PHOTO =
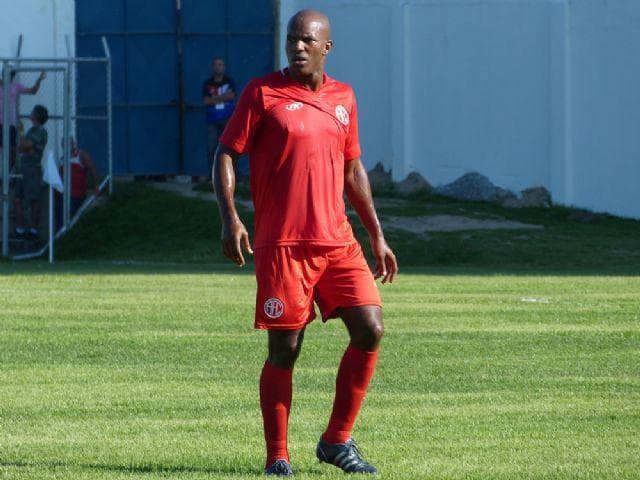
(107, 54)
(66, 134)
(52, 226)
(568, 108)
(6, 85)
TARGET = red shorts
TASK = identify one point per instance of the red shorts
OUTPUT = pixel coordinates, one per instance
(290, 278)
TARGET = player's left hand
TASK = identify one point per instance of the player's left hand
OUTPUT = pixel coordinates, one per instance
(386, 264)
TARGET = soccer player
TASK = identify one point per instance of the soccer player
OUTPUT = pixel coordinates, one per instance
(300, 129)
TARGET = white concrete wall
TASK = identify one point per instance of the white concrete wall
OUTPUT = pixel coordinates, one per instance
(44, 25)
(527, 92)
(605, 97)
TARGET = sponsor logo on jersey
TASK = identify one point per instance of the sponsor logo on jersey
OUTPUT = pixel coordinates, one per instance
(342, 115)
(273, 308)
(294, 106)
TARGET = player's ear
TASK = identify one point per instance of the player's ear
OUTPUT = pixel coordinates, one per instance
(328, 46)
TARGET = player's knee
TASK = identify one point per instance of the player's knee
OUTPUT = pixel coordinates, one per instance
(284, 356)
(369, 338)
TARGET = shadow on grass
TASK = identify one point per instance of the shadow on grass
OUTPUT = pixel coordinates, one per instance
(134, 267)
(142, 230)
(142, 469)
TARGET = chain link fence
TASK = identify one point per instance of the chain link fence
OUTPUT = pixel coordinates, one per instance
(29, 228)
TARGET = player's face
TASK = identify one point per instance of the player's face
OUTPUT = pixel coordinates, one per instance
(307, 45)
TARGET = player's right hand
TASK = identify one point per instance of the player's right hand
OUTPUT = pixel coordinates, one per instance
(234, 239)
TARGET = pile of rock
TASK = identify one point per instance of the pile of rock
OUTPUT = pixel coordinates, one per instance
(471, 186)
(380, 180)
(476, 187)
(382, 183)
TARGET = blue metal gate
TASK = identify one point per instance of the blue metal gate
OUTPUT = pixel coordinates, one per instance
(161, 52)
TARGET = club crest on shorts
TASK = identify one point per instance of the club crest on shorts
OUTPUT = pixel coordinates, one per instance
(273, 308)
(342, 115)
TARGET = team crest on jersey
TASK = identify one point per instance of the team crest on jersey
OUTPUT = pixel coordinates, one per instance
(294, 106)
(342, 115)
(273, 308)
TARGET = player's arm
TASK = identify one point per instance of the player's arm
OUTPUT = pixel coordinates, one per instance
(234, 236)
(356, 185)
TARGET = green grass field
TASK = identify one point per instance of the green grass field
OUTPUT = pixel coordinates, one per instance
(135, 357)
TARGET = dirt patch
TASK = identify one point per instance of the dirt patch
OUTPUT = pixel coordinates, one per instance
(421, 225)
(186, 190)
(452, 223)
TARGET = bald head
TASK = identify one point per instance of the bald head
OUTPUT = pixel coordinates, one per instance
(308, 43)
(314, 19)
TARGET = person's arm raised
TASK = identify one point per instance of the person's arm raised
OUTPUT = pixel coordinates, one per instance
(234, 237)
(36, 86)
(356, 185)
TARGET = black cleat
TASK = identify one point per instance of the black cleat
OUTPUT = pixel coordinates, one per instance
(345, 456)
(281, 468)
(32, 236)
(16, 235)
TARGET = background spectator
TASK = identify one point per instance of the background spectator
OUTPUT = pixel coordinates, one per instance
(16, 89)
(28, 187)
(218, 93)
(80, 164)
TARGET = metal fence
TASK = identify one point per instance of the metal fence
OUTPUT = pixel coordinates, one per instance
(57, 92)
(162, 51)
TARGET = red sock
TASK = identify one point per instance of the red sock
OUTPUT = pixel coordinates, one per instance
(354, 374)
(275, 402)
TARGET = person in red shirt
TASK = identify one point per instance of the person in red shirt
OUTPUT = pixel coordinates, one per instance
(80, 164)
(300, 129)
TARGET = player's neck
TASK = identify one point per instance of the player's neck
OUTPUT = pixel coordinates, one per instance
(312, 81)
(218, 77)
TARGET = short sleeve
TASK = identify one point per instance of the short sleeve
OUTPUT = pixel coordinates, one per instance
(240, 130)
(352, 145)
(33, 136)
(39, 137)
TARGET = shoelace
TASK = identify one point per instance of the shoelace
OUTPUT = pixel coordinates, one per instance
(354, 448)
(281, 467)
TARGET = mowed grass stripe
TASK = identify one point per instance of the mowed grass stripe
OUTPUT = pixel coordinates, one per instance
(154, 375)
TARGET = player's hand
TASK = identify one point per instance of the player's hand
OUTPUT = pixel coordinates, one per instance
(234, 239)
(386, 264)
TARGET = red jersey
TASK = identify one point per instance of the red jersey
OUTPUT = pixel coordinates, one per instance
(78, 176)
(298, 142)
